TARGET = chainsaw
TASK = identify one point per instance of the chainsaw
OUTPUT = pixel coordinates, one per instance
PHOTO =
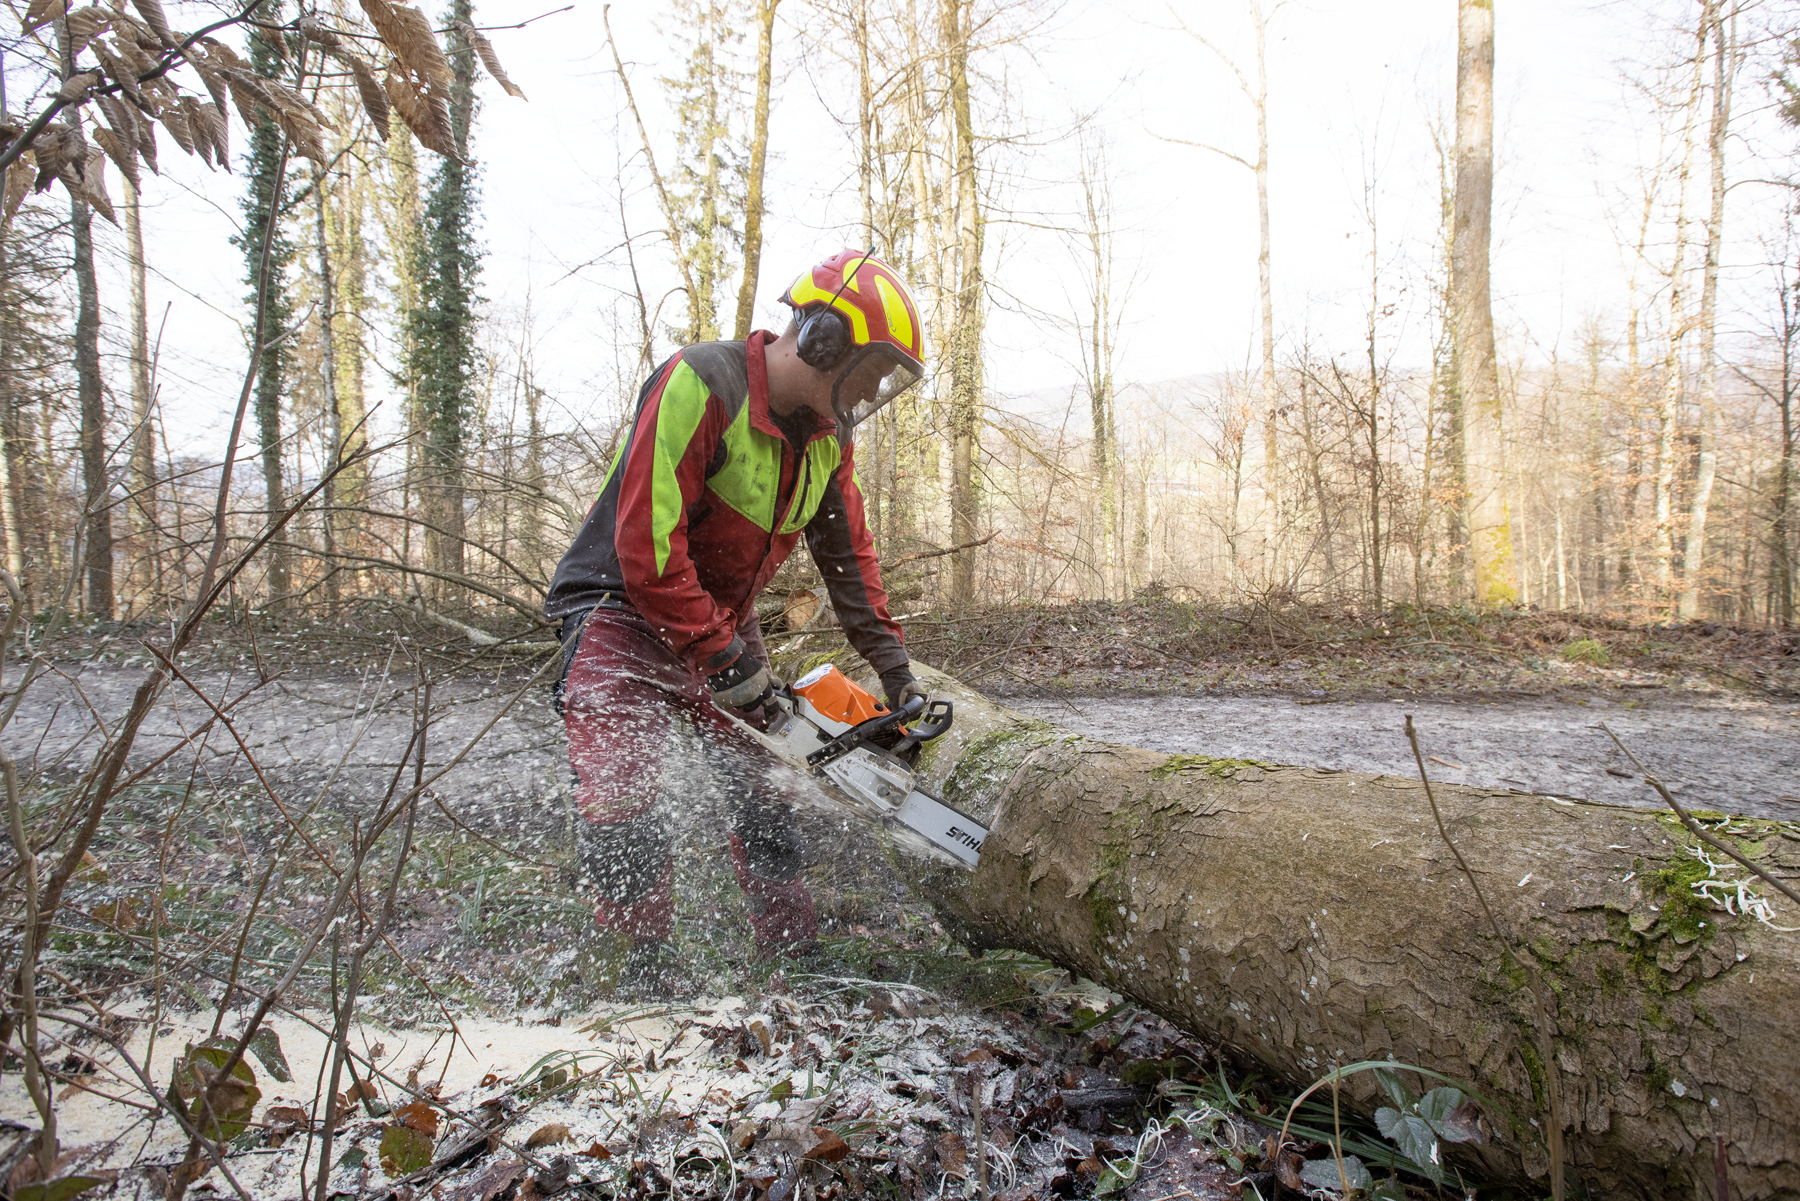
(829, 728)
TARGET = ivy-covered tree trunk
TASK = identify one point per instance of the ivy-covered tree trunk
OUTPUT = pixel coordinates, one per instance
(1309, 918)
(443, 324)
(268, 294)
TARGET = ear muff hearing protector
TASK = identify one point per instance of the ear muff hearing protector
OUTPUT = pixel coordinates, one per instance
(823, 338)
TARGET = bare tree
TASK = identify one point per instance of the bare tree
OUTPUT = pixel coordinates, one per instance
(1098, 348)
(956, 21)
(90, 388)
(147, 567)
(1477, 371)
(1258, 96)
(1668, 413)
(759, 157)
(1725, 65)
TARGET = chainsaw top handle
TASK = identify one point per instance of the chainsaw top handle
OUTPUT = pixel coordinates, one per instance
(937, 721)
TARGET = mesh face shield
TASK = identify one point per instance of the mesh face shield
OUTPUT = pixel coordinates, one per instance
(871, 378)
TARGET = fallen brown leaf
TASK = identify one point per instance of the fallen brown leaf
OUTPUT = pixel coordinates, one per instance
(418, 1116)
(952, 1157)
(487, 1184)
(597, 1151)
(545, 1135)
(830, 1148)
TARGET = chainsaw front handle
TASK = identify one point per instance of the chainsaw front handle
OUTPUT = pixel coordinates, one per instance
(935, 723)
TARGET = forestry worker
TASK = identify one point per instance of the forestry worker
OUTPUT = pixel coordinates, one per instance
(737, 448)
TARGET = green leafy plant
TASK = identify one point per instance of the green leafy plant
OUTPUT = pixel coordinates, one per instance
(1417, 1125)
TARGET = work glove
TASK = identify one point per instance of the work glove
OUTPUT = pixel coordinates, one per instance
(905, 692)
(738, 679)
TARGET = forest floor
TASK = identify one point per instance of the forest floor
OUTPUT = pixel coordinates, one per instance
(846, 1076)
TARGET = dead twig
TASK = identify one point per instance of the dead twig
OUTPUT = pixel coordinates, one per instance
(1694, 827)
(1546, 1053)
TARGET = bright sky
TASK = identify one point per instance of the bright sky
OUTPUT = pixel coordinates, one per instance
(1353, 89)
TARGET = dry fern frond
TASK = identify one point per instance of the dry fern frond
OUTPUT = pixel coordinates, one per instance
(118, 68)
(408, 34)
(424, 113)
(221, 133)
(54, 148)
(381, 15)
(207, 140)
(18, 184)
(42, 12)
(122, 157)
(290, 101)
(74, 89)
(158, 21)
(174, 120)
(85, 24)
(489, 59)
(146, 138)
(374, 100)
(248, 94)
(277, 43)
(219, 53)
(92, 182)
(208, 70)
(310, 29)
(121, 121)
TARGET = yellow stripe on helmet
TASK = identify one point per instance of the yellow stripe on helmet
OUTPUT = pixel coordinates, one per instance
(805, 292)
(893, 306)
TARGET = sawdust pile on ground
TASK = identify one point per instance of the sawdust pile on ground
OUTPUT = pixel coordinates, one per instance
(819, 1086)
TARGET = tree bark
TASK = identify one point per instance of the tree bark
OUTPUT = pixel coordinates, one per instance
(1265, 284)
(93, 416)
(965, 338)
(328, 365)
(1471, 310)
(1693, 556)
(11, 444)
(1305, 918)
(759, 155)
(1668, 416)
(147, 567)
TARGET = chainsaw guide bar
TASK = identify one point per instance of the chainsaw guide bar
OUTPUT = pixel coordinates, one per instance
(830, 729)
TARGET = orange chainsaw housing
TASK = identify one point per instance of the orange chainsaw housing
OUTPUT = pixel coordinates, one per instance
(836, 696)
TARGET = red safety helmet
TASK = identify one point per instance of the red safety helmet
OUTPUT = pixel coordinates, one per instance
(857, 318)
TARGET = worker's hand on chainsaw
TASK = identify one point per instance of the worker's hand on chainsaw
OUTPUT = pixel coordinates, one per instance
(907, 691)
(738, 679)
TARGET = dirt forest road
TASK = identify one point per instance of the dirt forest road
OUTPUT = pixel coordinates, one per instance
(1721, 752)
(302, 724)
(1716, 752)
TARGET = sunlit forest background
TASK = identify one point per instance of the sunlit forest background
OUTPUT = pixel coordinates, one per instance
(1145, 373)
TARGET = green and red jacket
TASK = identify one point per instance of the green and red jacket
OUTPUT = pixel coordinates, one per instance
(707, 498)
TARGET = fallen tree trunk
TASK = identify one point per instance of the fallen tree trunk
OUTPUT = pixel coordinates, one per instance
(1309, 918)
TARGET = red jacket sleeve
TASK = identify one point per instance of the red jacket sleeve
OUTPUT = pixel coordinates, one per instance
(664, 473)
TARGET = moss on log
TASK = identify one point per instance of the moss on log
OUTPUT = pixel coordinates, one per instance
(1307, 918)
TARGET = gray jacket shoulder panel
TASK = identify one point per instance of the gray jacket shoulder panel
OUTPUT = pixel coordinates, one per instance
(723, 368)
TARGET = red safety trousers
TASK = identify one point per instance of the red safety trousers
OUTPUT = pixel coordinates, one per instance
(623, 694)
